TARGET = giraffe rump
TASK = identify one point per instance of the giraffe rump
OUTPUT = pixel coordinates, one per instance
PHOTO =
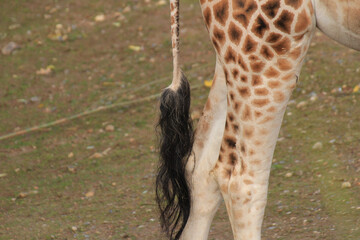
(176, 140)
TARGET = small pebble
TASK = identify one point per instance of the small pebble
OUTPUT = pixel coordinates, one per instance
(97, 155)
(9, 48)
(100, 18)
(71, 168)
(109, 128)
(35, 99)
(318, 145)
(289, 174)
(346, 185)
(301, 104)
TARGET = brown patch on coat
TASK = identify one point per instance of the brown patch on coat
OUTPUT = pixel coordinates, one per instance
(216, 45)
(256, 162)
(253, 57)
(283, 46)
(224, 187)
(288, 77)
(231, 117)
(271, 109)
(243, 78)
(235, 127)
(235, 73)
(251, 152)
(273, 37)
(244, 92)
(246, 114)
(266, 52)
(249, 45)
(248, 131)
(237, 106)
(260, 26)
(274, 84)
(270, 8)
(232, 95)
(243, 167)
(242, 64)
(256, 80)
(260, 102)
(279, 96)
(207, 17)
(219, 35)
(303, 22)
(242, 147)
(248, 182)
(284, 64)
(238, 214)
(234, 186)
(283, 22)
(221, 11)
(295, 54)
(258, 114)
(230, 55)
(261, 91)
(257, 66)
(230, 142)
(227, 173)
(234, 33)
(294, 3)
(265, 120)
(243, 10)
(232, 159)
(271, 72)
(299, 37)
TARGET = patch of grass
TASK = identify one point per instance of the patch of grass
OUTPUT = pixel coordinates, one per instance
(96, 67)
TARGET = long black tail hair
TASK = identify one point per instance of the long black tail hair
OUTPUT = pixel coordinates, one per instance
(176, 141)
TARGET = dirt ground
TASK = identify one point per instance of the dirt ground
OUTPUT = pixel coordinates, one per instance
(92, 177)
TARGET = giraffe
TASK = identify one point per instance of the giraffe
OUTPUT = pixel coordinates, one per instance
(260, 47)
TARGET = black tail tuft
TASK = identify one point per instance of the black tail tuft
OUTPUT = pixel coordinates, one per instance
(176, 140)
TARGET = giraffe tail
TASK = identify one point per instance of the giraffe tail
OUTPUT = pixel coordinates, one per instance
(176, 141)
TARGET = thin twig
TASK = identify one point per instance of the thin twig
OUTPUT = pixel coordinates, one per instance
(82, 114)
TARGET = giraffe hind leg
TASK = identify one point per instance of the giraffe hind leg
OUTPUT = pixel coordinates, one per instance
(205, 193)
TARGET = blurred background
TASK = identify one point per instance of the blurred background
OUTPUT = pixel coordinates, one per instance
(78, 95)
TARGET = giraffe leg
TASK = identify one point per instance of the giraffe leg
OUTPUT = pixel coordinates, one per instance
(205, 193)
(245, 160)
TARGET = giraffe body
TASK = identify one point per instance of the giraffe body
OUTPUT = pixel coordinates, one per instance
(260, 47)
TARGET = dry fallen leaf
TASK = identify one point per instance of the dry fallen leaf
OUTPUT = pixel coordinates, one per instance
(45, 71)
(97, 155)
(208, 83)
(109, 128)
(3, 175)
(356, 88)
(134, 48)
(71, 168)
(90, 193)
(161, 3)
(346, 185)
(100, 18)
